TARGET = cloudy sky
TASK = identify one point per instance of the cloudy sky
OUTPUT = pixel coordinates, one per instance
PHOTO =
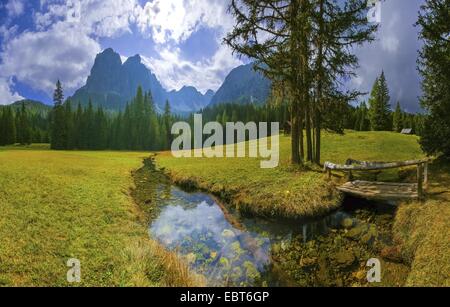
(180, 40)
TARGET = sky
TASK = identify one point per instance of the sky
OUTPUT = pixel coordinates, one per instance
(179, 40)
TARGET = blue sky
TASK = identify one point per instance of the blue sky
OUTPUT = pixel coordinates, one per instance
(179, 40)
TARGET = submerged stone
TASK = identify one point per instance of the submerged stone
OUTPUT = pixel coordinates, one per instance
(358, 231)
(347, 223)
(308, 261)
(227, 233)
(369, 237)
(345, 258)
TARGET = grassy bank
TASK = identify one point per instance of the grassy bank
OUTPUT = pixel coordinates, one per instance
(286, 191)
(421, 230)
(60, 205)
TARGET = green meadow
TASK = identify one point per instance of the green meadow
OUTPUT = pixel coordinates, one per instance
(61, 205)
(420, 228)
(57, 205)
(286, 191)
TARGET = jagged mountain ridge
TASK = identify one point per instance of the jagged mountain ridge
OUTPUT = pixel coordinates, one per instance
(243, 85)
(112, 84)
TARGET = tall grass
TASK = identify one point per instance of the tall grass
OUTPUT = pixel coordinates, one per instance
(60, 205)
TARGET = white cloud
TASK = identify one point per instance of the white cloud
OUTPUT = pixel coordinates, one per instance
(65, 48)
(176, 20)
(14, 8)
(40, 58)
(61, 48)
(390, 37)
(94, 17)
(123, 58)
(171, 22)
(395, 52)
(7, 96)
(174, 72)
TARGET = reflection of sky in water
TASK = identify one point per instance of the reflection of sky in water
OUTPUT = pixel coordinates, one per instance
(195, 226)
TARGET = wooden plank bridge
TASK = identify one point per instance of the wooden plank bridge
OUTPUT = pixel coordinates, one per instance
(382, 190)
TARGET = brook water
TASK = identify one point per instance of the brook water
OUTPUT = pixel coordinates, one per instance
(232, 250)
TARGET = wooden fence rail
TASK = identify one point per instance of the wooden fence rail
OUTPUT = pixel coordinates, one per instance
(382, 190)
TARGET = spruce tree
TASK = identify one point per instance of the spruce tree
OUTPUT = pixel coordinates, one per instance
(59, 133)
(69, 125)
(2, 128)
(306, 46)
(224, 118)
(379, 105)
(397, 119)
(89, 126)
(7, 127)
(23, 126)
(77, 130)
(167, 124)
(357, 123)
(434, 66)
(364, 121)
(155, 131)
(126, 131)
(18, 124)
(100, 130)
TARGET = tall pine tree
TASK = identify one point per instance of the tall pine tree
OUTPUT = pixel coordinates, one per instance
(379, 105)
(23, 126)
(397, 119)
(434, 66)
(59, 133)
(7, 127)
(167, 125)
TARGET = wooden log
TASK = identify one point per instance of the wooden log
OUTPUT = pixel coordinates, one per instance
(373, 166)
(371, 183)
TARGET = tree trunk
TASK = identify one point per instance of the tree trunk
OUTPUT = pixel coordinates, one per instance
(295, 133)
(318, 138)
(295, 120)
(308, 133)
(319, 101)
(302, 142)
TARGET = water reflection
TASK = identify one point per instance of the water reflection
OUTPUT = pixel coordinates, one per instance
(195, 226)
(227, 249)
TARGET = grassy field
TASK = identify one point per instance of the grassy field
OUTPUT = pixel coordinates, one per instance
(60, 205)
(286, 191)
(421, 229)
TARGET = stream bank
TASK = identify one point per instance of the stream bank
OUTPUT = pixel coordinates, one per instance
(235, 250)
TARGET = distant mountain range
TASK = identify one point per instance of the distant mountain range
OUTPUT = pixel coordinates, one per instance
(112, 84)
(243, 85)
(33, 106)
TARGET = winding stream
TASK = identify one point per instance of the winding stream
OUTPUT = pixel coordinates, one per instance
(231, 250)
(234, 250)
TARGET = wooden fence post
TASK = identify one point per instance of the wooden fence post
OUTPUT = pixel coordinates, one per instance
(425, 181)
(329, 173)
(420, 180)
